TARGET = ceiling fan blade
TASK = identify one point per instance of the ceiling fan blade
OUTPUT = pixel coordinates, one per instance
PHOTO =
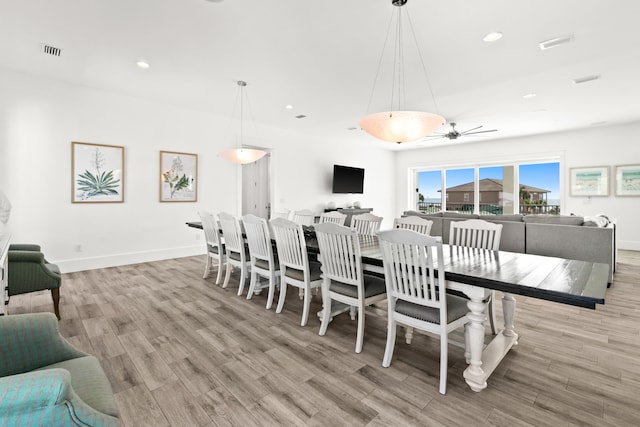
(469, 130)
(432, 136)
(480, 131)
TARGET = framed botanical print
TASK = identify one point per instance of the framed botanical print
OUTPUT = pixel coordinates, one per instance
(178, 177)
(628, 180)
(97, 173)
(590, 181)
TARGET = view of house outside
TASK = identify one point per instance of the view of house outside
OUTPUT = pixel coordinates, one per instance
(538, 189)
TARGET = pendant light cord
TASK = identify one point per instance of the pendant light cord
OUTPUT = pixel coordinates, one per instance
(375, 80)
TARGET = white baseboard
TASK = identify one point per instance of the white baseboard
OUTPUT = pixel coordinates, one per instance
(81, 264)
(629, 245)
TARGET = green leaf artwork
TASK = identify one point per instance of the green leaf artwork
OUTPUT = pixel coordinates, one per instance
(174, 180)
(102, 183)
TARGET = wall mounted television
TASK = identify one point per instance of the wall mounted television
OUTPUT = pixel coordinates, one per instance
(348, 179)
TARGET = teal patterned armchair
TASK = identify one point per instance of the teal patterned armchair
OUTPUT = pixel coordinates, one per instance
(45, 381)
(29, 271)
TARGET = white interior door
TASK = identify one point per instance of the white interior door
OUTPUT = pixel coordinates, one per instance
(256, 198)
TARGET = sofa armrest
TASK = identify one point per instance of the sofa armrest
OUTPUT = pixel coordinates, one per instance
(29, 272)
(31, 341)
(34, 390)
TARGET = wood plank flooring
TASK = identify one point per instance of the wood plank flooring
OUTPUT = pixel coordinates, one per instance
(181, 351)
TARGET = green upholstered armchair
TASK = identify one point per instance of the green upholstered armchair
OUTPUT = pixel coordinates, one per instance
(45, 381)
(29, 271)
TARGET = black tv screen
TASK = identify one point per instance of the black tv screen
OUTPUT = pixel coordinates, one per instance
(348, 180)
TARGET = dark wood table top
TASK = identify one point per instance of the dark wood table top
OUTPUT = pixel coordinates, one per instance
(566, 281)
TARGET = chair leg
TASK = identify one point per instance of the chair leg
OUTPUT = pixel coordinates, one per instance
(243, 276)
(220, 268)
(492, 312)
(444, 360)
(207, 267)
(360, 334)
(55, 295)
(252, 284)
(283, 296)
(306, 304)
(391, 341)
(272, 289)
(408, 335)
(227, 276)
(326, 308)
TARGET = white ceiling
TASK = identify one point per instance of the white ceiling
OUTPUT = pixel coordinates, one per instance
(321, 57)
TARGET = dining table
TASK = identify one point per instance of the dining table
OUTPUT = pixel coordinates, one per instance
(476, 272)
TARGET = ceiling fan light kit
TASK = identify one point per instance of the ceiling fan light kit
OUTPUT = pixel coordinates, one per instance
(400, 125)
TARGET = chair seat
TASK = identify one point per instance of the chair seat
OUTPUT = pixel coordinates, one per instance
(372, 286)
(89, 383)
(264, 264)
(236, 256)
(214, 249)
(456, 308)
(314, 272)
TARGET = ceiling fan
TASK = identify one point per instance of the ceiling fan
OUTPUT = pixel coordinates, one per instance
(455, 134)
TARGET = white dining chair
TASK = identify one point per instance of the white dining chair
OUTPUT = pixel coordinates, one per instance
(416, 292)
(280, 213)
(366, 223)
(262, 259)
(415, 223)
(215, 247)
(304, 217)
(295, 267)
(477, 233)
(237, 251)
(343, 278)
(334, 217)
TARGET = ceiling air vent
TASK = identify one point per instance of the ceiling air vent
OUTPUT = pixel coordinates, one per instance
(301, 116)
(555, 42)
(51, 50)
(585, 79)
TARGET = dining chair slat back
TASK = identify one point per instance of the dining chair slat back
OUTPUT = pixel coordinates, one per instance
(215, 247)
(263, 262)
(415, 223)
(334, 217)
(303, 217)
(366, 223)
(416, 294)
(237, 252)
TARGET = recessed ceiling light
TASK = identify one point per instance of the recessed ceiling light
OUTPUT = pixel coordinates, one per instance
(542, 110)
(142, 64)
(555, 42)
(289, 107)
(529, 96)
(492, 37)
(585, 79)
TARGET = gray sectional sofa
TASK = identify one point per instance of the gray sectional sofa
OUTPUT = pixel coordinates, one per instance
(573, 237)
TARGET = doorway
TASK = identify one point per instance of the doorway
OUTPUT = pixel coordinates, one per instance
(256, 185)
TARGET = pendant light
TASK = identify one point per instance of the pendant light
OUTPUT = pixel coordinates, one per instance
(242, 155)
(399, 125)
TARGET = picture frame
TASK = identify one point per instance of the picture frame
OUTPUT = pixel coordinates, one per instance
(178, 177)
(590, 181)
(97, 173)
(627, 180)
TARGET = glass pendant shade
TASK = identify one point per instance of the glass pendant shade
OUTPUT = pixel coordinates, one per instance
(242, 156)
(401, 126)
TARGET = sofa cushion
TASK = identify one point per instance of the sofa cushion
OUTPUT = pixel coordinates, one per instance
(554, 219)
(512, 217)
(448, 214)
(90, 383)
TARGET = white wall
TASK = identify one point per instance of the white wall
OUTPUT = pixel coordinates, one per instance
(40, 118)
(599, 146)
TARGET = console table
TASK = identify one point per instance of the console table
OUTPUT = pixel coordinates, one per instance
(4, 273)
(349, 212)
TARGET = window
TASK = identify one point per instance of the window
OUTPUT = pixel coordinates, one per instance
(491, 190)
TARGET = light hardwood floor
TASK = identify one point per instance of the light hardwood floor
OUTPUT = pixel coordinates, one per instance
(181, 351)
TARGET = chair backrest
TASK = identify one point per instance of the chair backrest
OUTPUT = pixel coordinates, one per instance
(282, 213)
(303, 217)
(339, 252)
(290, 243)
(211, 229)
(232, 233)
(334, 217)
(475, 233)
(411, 261)
(258, 237)
(415, 223)
(366, 223)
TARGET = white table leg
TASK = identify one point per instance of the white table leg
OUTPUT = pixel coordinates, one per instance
(508, 310)
(474, 374)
